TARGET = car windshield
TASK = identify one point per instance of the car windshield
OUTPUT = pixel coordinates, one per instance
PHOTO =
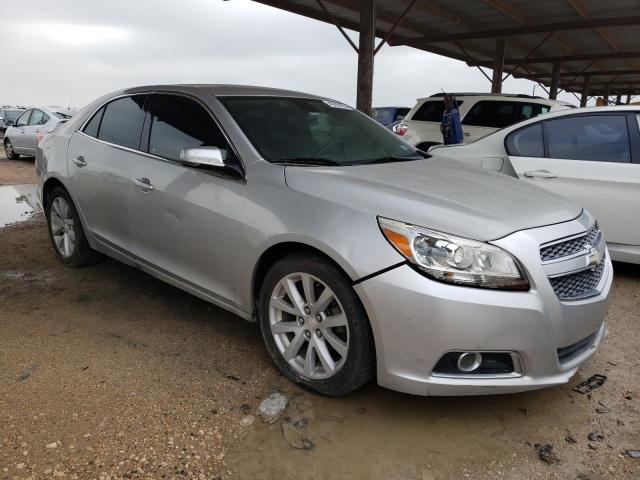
(12, 114)
(305, 131)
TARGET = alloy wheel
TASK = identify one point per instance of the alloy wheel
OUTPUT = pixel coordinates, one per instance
(309, 326)
(62, 227)
(8, 148)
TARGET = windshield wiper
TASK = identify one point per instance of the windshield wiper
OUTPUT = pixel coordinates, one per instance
(311, 161)
(394, 159)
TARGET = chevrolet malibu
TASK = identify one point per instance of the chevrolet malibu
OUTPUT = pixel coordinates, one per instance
(359, 256)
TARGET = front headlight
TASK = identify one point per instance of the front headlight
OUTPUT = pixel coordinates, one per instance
(453, 259)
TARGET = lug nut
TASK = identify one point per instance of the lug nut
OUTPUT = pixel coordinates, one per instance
(307, 334)
(319, 318)
(307, 310)
(318, 333)
(300, 321)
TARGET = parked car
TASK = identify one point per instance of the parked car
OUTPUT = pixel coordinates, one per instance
(8, 115)
(21, 136)
(589, 155)
(358, 255)
(389, 116)
(480, 113)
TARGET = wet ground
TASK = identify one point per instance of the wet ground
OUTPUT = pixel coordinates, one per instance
(106, 372)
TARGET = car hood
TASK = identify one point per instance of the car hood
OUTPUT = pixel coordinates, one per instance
(448, 196)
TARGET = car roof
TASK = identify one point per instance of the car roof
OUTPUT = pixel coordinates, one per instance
(223, 90)
(506, 96)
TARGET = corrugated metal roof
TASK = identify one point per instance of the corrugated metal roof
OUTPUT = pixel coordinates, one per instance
(468, 29)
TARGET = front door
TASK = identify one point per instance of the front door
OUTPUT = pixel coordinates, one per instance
(183, 218)
(17, 136)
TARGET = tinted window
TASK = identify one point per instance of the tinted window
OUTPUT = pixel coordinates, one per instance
(179, 123)
(530, 110)
(401, 113)
(38, 117)
(492, 114)
(431, 111)
(122, 121)
(23, 119)
(94, 124)
(601, 138)
(12, 114)
(383, 115)
(526, 142)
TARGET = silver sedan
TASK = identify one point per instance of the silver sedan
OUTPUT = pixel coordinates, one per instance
(22, 134)
(358, 256)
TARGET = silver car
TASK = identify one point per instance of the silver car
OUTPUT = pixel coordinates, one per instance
(359, 256)
(21, 136)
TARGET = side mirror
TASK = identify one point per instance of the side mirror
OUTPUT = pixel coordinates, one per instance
(9, 123)
(205, 157)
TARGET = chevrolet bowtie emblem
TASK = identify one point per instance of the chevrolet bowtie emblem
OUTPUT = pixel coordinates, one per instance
(595, 256)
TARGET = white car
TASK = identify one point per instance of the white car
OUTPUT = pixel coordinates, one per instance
(21, 136)
(589, 155)
(481, 114)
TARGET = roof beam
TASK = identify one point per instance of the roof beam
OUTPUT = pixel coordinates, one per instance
(564, 58)
(526, 29)
(594, 73)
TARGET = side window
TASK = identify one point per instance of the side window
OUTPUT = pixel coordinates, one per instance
(530, 110)
(37, 118)
(178, 123)
(23, 120)
(491, 113)
(401, 113)
(599, 138)
(431, 111)
(122, 121)
(526, 142)
(93, 126)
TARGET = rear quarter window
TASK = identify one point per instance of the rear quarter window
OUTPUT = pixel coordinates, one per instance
(526, 142)
(431, 111)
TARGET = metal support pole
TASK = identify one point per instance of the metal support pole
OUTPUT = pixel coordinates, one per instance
(628, 99)
(555, 81)
(498, 65)
(605, 93)
(586, 84)
(365, 55)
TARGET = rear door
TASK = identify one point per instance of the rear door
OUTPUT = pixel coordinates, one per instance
(29, 136)
(17, 134)
(187, 222)
(100, 159)
(589, 159)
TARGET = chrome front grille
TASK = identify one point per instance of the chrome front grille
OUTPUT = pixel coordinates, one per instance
(569, 247)
(575, 266)
(578, 285)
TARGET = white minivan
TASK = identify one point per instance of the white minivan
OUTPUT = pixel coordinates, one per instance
(481, 114)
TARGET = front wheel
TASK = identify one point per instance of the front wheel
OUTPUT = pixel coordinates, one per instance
(8, 149)
(314, 326)
(66, 232)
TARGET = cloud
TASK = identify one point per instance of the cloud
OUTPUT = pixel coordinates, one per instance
(67, 48)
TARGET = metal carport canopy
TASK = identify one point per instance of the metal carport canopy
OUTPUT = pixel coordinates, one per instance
(586, 46)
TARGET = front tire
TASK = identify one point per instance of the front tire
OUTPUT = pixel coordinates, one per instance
(314, 326)
(66, 232)
(8, 149)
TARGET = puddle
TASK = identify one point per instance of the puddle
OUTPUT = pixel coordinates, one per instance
(18, 203)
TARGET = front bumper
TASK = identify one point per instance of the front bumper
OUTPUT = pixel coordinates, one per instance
(416, 320)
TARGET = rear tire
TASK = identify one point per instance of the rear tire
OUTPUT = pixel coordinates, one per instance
(66, 232)
(8, 149)
(326, 339)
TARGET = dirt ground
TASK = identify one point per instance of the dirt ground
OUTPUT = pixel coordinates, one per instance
(106, 372)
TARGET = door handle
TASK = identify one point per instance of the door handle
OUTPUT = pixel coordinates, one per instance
(80, 161)
(143, 183)
(540, 174)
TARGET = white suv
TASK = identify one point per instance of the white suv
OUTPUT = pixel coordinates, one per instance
(481, 114)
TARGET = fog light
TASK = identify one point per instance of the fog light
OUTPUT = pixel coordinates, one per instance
(469, 361)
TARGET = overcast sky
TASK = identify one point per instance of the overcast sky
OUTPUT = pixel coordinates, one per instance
(61, 51)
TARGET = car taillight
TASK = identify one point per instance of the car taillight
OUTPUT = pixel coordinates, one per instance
(400, 129)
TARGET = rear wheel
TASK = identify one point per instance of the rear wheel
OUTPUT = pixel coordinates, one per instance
(315, 327)
(8, 149)
(66, 232)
